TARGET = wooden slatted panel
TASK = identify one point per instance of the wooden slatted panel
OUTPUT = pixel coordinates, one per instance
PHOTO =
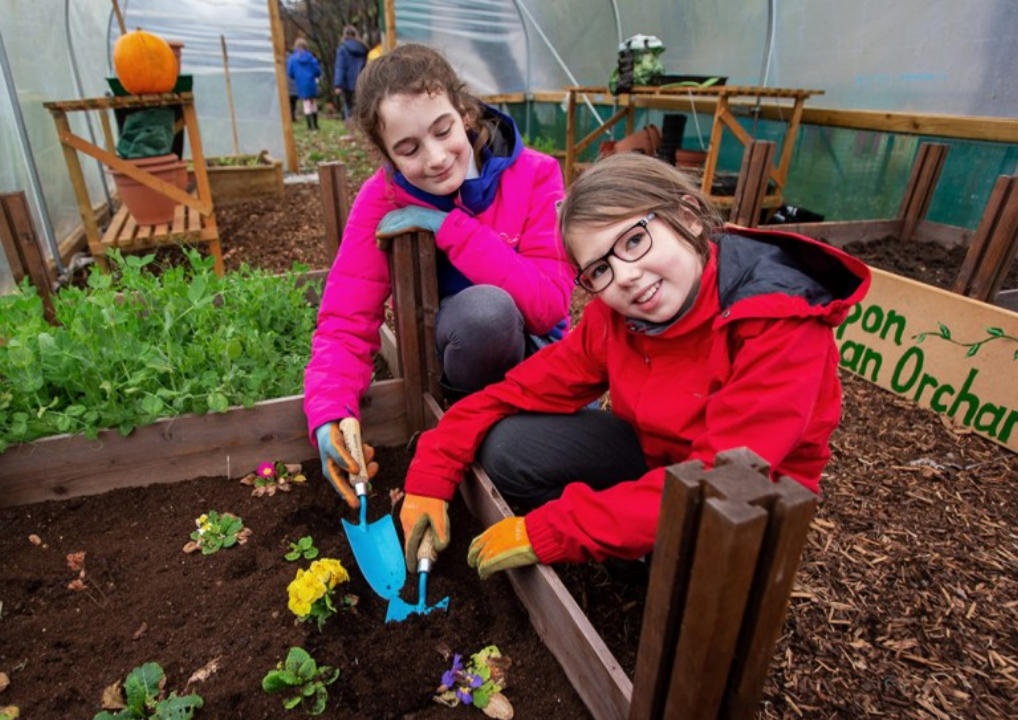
(427, 279)
(754, 176)
(993, 247)
(125, 239)
(19, 234)
(921, 185)
(335, 203)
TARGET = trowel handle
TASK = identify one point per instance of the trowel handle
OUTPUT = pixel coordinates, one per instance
(351, 429)
(426, 554)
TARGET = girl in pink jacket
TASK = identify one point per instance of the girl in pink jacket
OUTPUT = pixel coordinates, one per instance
(709, 338)
(459, 169)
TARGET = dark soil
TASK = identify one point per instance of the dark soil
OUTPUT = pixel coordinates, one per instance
(906, 604)
(62, 648)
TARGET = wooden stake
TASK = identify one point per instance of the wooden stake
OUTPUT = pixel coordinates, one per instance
(229, 96)
(390, 26)
(120, 17)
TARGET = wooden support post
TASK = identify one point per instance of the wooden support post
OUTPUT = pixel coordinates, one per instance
(728, 545)
(21, 246)
(571, 153)
(752, 186)
(993, 247)
(335, 203)
(921, 185)
(415, 302)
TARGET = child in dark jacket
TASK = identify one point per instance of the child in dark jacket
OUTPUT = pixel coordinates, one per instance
(351, 56)
(709, 337)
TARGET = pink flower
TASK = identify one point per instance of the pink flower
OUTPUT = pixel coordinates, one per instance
(267, 470)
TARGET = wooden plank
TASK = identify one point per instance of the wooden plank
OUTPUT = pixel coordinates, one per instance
(569, 171)
(18, 219)
(10, 248)
(946, 235)
(335, 203)
(729, 539)
(185, 447)
(840, 234)
(586, 660)
(752, 185)
(922, 184)
(984, 231)
(179, 220)
(77, 180)
(403, 272)
(674, 546)
(788, 524)
(125, 239)
(427, 280)
(1000, 248)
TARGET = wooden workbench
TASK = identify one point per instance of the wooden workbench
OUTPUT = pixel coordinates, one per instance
(682, 99)
(194, 222)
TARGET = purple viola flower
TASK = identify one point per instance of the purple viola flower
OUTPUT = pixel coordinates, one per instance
(465, 693)
(449, 676)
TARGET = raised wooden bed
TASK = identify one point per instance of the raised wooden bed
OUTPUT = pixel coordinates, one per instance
(236, 179)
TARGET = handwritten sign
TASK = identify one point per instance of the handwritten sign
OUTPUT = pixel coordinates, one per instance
(943, 351)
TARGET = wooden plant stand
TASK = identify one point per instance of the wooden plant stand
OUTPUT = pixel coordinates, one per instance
(681, 99)
(194, 222)
(991, 248)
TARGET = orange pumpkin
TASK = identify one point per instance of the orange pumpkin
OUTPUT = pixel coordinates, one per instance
(144, 63)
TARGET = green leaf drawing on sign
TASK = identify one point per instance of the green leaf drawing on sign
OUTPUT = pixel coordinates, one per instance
(992, 333)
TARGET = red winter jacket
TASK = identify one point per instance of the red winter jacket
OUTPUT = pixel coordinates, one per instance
(753, 363)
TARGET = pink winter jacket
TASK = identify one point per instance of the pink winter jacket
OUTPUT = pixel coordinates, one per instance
(512, 244)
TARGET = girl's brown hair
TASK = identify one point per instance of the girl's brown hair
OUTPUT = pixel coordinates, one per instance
(412, 69)
(630, 185)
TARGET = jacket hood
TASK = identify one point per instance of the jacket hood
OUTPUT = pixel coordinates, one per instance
(355, 47)
(303, 57)
(477, 194)
(776, 274)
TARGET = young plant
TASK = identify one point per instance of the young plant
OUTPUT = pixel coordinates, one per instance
(273, 476)
(303, 548)
(303, 679)
(76, 562)
(312, 592)
(217, 531)
(479, 683)
(143, 698)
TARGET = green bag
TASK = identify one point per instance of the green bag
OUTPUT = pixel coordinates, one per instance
(146, 133)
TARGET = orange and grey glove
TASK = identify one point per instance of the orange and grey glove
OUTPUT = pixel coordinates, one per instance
(420, 513)
(346, 460)
(502, 546)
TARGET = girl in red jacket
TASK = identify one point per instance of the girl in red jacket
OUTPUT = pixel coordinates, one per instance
(709, 337)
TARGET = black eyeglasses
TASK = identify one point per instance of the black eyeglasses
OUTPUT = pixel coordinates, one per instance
(630, 246)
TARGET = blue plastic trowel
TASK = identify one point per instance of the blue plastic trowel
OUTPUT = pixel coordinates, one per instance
(375, 545)
(399, 610)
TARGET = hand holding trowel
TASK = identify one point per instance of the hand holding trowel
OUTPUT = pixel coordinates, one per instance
(375, 545)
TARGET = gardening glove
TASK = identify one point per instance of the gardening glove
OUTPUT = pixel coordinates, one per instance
(420, 513)
(404, 220)
(344, 464)
(502, 546)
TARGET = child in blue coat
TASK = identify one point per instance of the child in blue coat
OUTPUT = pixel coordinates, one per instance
(304, 70)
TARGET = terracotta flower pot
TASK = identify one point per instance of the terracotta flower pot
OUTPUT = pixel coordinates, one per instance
(147, 206)
(690, 159)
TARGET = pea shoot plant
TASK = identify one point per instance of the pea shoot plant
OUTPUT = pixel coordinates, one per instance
(136, 346)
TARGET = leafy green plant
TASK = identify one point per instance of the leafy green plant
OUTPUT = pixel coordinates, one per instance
(304, 681)
(143, 698)
(217, 531)
(135, 346)
(541, 144)
(303, 548)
